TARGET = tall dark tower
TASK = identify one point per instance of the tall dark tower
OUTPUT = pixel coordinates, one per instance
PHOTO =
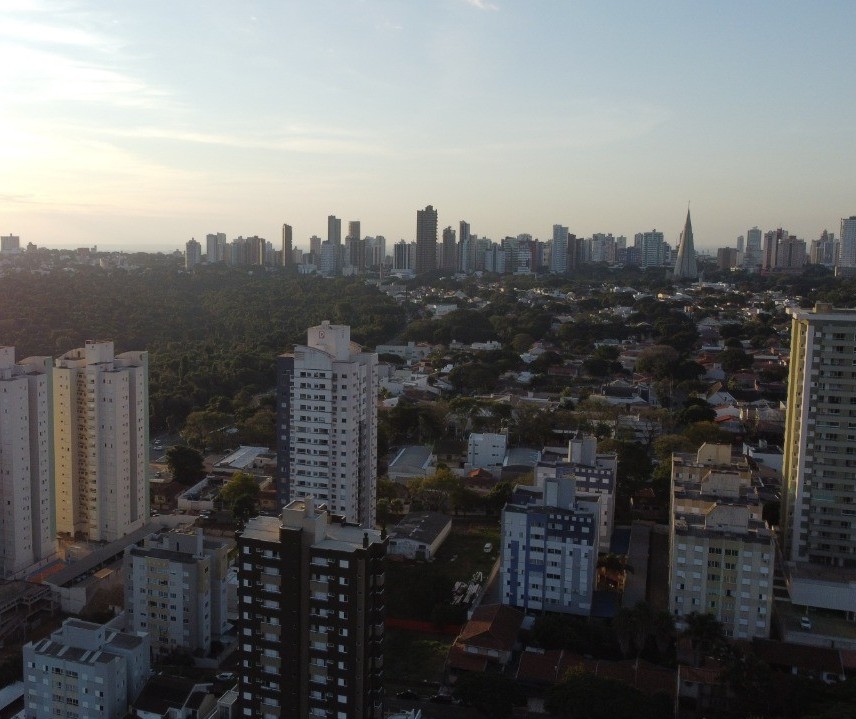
(426, 240)
(685, 266)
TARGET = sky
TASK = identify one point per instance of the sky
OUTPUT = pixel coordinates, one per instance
(138, 125)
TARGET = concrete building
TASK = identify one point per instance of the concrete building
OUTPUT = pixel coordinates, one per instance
(10, 245)
(426, 240)
(559, 250)
(486, 450)
(548, 555)
(84, 671)
(327, 423)
(594, 476)
(651, 250)
(419, 535)
(101, 441)
(449, 251)
(287, 245)
(685, 266)
(27, 530)
(721, 551)
(847, 257)
(175, 590)
(311, 622)
(819, 480)
(752, 256)
(192, 254)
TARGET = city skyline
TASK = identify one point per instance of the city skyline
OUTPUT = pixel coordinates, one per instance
(126, 131)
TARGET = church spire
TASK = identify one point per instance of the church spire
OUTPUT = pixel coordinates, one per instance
(685, 266)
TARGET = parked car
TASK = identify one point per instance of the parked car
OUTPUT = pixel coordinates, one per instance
(488, 548)
(805, 623)
(408, 694)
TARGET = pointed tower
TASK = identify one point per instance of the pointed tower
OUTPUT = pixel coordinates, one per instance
(685, 266)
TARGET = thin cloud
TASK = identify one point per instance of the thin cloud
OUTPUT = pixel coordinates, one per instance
(482, 4)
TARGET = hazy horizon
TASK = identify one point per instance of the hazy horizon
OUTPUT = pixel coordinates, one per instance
(139, 126)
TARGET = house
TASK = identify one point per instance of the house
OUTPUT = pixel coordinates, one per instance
(419, 535)
(412, 462)
(486, 641)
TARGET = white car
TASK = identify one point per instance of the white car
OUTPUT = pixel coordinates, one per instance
(805, 623)
(488, 548)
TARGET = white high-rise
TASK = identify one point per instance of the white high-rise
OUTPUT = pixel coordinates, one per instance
(27, 534)
(327, 424)
(101, 418)
(847, 257)
(559, 250)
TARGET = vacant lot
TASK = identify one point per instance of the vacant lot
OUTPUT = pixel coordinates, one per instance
(423, 590)
(413, 657)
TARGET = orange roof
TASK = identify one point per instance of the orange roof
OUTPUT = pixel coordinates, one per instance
(492, 626)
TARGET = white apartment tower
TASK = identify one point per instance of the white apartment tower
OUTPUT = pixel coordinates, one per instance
(327, 424)
(101, 420)
(27, 533)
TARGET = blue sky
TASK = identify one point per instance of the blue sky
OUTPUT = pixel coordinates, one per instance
(137, 125)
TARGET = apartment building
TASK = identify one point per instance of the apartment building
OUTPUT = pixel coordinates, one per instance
(84, 671)
(311, 616)
(27, 532)
(548, 557)
(721, 551)
(175, 590)
(327, 424)
(101, 450)
(594, 476)
(819, 463)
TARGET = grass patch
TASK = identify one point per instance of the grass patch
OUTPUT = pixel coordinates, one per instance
(414, 657)
(423, 590)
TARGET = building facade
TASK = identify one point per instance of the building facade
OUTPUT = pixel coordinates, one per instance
(548, 557)
(426, 240)
(27, 529)
(721, 551)
(175, 591)
(311, 616)
(101, 447)
(84, 671)
(192, 254)
(327, 423)
(819, 464)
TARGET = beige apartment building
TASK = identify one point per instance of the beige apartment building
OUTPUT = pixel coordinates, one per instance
(721, 551)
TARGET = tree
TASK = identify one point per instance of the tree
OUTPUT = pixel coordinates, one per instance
(734, 359)
(659, 361)
(239, 495)
(494, 695)
(185, 463)
(706, 635)
(586, 696)
(665, 445)
(702, 432)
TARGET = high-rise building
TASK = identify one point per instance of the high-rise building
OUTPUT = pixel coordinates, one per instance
(354, 232)
(790, 254)
(825, 250)
(721, 551)
(311, 616)
(192, 254)
(467, 249)
(287, 245)
(10, 244)
(214, 246)
(559, 250)
(403, 255)
(752, 258)
(449, 251)
(848, 242)
(334, 229)
(819, 480)
(315, 247)
(175, 591)
(327, 423)
(101, 448)
(650, 248)
(549, 546)
(85, 670)
(426, 240)
(685, 266)
(27, 532)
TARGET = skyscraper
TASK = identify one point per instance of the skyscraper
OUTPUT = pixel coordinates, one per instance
(426, 240)
(847, 256)
(818, 506)
(334, 230)
(311, 621)
(327, 423)
(192, 254)
(649, 248)
(212, 247)
(559, 250)
(287, 245)
(450, 251)
(101, 449)
(752, 258)
(27, 534)
(685, 266)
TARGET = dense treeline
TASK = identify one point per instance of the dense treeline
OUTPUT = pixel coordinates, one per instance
(212, 336)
